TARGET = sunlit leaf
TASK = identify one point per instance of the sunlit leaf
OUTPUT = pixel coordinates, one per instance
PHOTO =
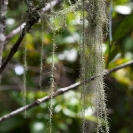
(114, 51)
(38, 127)
(68, 112)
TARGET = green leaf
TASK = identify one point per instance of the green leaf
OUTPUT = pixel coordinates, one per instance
(123, 28)
(115, 50)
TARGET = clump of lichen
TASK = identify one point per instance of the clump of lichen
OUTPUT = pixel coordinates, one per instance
(94, 20)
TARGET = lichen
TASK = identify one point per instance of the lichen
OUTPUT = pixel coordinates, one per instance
(92, 63)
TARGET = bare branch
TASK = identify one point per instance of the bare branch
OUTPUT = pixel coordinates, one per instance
(39, 101)
(60, 92)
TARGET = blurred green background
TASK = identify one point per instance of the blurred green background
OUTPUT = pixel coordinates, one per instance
(66, 109)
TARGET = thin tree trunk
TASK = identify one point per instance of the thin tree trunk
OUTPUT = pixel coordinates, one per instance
(3, 10)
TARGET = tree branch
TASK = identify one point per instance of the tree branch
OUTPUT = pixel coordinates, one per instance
(60, 92)
(32, 19)
(13, 50)
(29, 4)
(15, 31)
(18, 29)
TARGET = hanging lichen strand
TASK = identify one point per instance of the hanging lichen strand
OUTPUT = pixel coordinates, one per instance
(24, 75)
(55, 21)
(41, 53)
(52, 76)
(92, 64)
(52, 84)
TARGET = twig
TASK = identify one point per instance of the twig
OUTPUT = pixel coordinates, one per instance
(121, 66)
(49, 5)
(60, 92)
(15, 31)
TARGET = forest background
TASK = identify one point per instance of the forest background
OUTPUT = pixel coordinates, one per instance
(119, 85)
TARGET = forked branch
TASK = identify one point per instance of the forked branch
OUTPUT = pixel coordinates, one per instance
(32, 19)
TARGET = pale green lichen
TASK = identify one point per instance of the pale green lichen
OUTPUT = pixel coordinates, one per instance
(92, 62)
(93, 21)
